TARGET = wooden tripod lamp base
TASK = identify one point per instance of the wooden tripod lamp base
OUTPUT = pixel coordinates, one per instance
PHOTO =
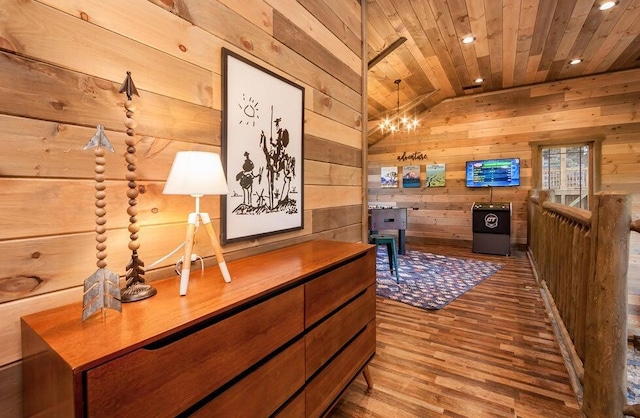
(197, 173)
(194, 219)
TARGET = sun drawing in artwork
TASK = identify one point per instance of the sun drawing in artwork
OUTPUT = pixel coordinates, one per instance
(250, 109)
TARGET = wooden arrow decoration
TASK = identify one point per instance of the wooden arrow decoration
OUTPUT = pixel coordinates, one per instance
(101, 290)
(99, 139)
(128, 87)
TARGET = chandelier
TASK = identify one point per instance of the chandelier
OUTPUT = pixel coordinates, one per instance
(398, 123)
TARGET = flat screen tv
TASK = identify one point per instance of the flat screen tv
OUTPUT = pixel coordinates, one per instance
(501, 172)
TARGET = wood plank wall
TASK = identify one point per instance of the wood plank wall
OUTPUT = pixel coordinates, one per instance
(507, 124)
(62, 63)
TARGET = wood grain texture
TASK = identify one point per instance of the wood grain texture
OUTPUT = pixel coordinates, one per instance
(326, 339)
(154, 207)
(177, 351)
(334, 378)
(325, 150)
(35, 265)
(270, 386)
(331, 196)
(206, 291)
(490, 353)
(80, 99)
(150, 26)
(606, 320)
(294, 409)
(10, 390)
(108, 59)
(319, 125)
(331, 218)
(342, 19)
(331, 175)
(58, 84)
(310, 26)
(11, 312)
(326, 106)
(517, 43)
(57, 151)
(503, 124)
(224, 348)
(259, 13)
(236, 31)
(329, 291)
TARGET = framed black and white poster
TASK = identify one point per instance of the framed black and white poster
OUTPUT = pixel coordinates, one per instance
(262, 150)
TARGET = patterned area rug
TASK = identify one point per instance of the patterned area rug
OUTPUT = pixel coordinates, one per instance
(633, 375)
(429, 281)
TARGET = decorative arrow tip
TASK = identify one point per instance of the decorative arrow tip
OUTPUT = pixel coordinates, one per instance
(99, 139)
(128, 87)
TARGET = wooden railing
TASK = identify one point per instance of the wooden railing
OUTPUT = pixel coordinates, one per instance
(580, 259)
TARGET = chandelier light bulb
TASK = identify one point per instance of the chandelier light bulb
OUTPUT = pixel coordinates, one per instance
(398, 123)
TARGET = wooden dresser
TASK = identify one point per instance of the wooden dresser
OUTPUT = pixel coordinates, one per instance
(284, 338)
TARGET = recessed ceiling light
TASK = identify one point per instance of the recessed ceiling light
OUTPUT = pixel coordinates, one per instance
(575, 61)
(479, 80)
(607, 5)
(468, 39)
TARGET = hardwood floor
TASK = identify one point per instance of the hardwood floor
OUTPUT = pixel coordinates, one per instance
(490, 353)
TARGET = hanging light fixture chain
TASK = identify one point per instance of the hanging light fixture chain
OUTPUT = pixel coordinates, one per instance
(398, 104)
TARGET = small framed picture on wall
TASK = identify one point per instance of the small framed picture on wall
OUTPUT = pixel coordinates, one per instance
(389, 177)
(411, 176)
(435, 175)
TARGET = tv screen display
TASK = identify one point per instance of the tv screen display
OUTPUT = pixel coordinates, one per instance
(501, 172)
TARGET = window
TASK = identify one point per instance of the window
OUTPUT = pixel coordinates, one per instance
(565, 170)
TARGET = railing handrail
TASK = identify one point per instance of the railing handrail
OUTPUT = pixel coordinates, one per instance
(581, 216)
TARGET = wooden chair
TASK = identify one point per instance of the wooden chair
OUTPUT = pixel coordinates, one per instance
(392, 252)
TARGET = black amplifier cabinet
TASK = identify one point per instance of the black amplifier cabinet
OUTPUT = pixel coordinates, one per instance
(491, 228)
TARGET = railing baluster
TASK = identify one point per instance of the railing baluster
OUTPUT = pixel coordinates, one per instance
(581, 261)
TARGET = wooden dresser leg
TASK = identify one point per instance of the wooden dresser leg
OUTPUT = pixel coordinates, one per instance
(367, 377)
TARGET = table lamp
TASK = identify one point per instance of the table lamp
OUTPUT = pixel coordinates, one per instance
(197, 173)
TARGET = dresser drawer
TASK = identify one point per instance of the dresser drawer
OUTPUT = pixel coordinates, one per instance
(294, 409)
(327, 292)
(332, 334)
(324, 388)
(165, 380)
(263, 391)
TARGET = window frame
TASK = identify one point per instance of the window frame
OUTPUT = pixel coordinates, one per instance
(594, 164)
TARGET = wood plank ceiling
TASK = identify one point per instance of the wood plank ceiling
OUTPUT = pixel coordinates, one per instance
(517, 43)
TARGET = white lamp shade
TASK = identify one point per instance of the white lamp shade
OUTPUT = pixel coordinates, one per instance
(196, 173)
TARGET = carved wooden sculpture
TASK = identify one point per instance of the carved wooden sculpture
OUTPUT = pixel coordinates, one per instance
(136, 288)
(102, 288)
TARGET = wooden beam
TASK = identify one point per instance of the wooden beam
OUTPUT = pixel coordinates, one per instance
(386, 52)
